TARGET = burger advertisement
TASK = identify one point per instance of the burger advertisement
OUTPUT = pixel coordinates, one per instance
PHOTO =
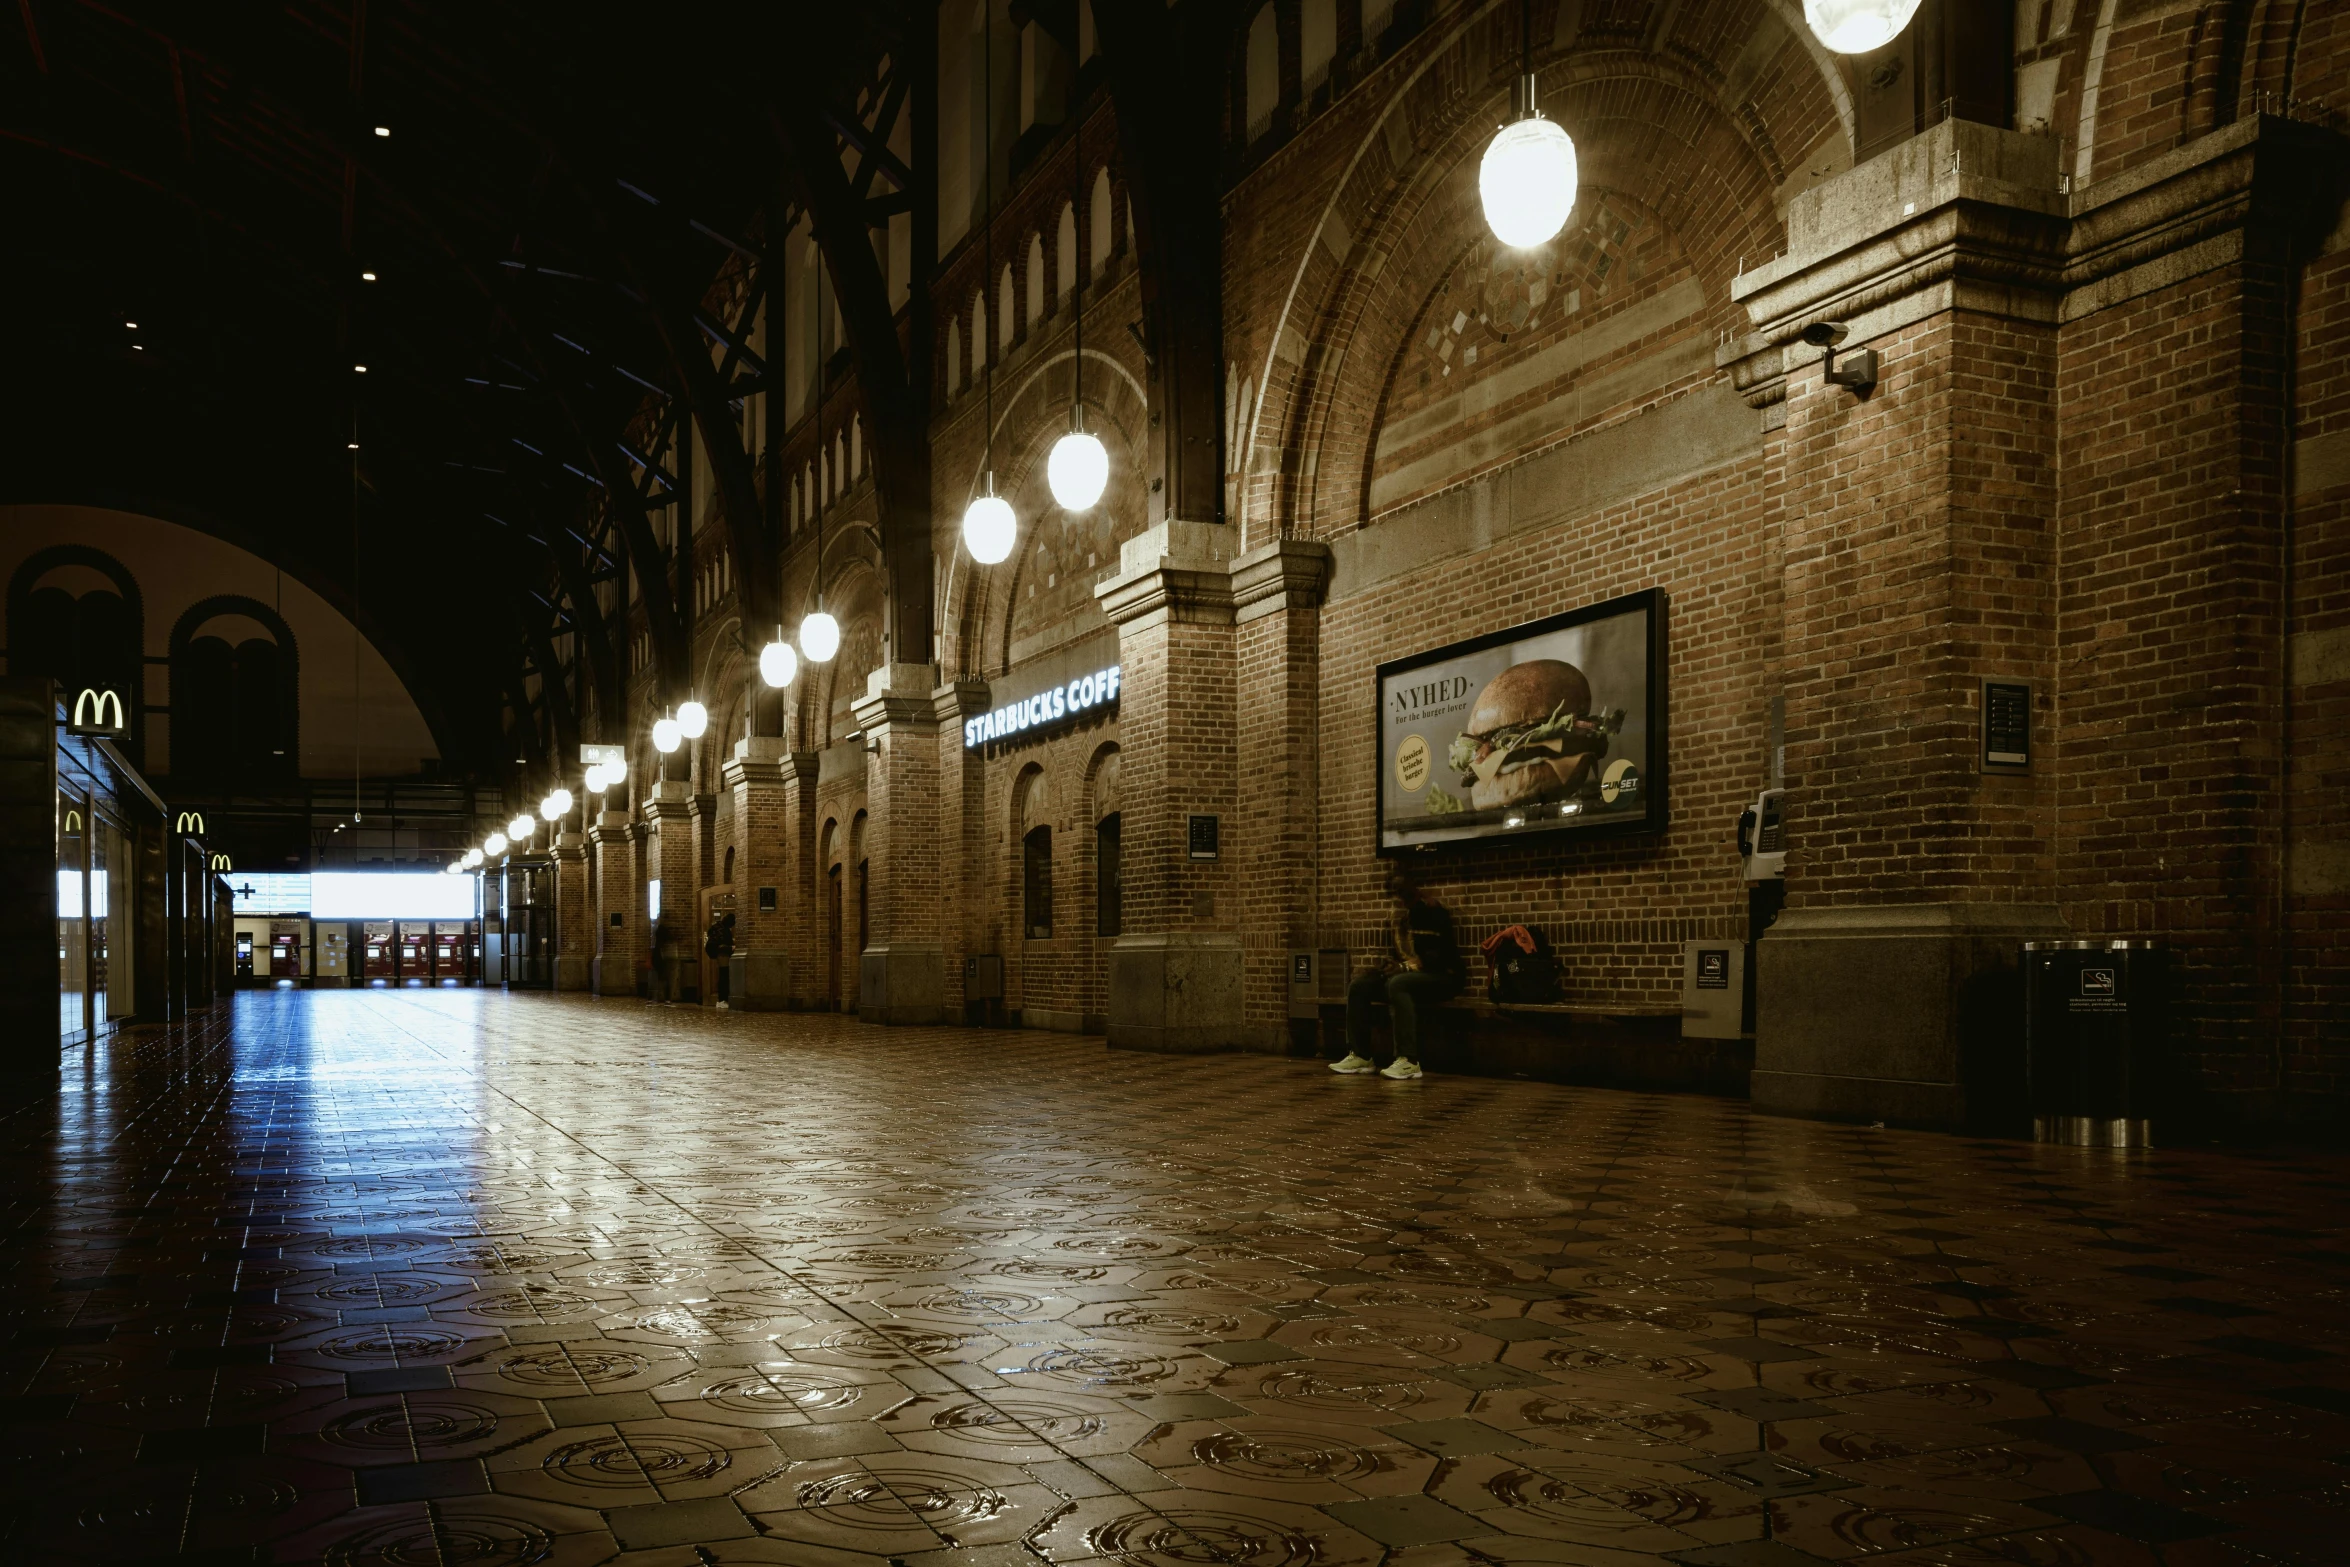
(1556, 726)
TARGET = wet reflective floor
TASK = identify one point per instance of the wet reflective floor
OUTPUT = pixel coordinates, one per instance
(390, 1279)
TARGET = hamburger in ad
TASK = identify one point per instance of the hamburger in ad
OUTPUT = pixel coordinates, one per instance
(1539, 728)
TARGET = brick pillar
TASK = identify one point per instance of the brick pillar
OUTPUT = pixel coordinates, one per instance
(761, 981)
(671, 857)
(620, 917)
(575, 927)
(708, 851)
(1918, 557)
(803, 928)
(1176, 974)
(962, 841)
(1277, 599)
(901, 974)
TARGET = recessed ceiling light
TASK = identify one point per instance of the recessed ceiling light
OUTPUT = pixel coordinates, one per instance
(354, 446)
(138, 348)
(383, 130)
(133, 325)
(366, 277)
(362, 369)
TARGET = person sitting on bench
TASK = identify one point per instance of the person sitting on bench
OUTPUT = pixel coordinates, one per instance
(1424, 972)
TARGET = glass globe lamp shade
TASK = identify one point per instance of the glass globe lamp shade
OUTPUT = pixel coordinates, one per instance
(1078, 470)
(615, 773)
(693, 720)
(989, 528)
(494, 845)
(522, 826)
(1527, 181)
(472, 858)
(778, 664)
(819, 637)
(1858, 26)
(667, 737)
(557, 804)
(595, 782)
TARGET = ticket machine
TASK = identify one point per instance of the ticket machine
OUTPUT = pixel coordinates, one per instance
(244, 957)
(448, 952)
(415, 962)
(377, 962)
(285, 951)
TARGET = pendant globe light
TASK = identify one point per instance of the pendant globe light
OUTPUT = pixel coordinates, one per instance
(1527, 180)
(990, 528)
(1858, 26)
(1079, 467)
(819, 637)
(494, 845)
(777, 662)
(667, 737)
(556, 805)
(693, 720)
(522, 826)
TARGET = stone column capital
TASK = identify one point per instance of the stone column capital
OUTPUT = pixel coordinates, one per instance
(1289, 573)
(570, 846)
(756, 760)
(897, 696)
(1173, 570)
(668, 800)
(961, 698)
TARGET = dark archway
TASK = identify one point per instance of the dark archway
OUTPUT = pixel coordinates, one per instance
(235, 708)
(93, 638)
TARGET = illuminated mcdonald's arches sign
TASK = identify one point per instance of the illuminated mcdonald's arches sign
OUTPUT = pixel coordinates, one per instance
(73, 821)
(190, 821)
(220, 863)
(98, 712)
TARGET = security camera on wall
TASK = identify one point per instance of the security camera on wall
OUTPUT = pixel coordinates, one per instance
(1857, 370)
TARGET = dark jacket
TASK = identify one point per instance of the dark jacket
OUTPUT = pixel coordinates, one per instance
(1425, 930)
(721, 939)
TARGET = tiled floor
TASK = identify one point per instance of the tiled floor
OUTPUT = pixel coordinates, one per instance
(402, 1278)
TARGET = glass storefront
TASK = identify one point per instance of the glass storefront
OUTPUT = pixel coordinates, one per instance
(73, 936)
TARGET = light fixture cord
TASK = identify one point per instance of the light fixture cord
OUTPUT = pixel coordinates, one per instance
(987, 219)
(1076, 282)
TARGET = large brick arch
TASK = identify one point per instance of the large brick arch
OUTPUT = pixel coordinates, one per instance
(1030, 418)
(1645, 123)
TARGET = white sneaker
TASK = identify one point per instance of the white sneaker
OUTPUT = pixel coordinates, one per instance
(1353, 1063)
(1400, 1069)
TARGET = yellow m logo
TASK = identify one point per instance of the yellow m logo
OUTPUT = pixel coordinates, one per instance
(98, 712)
(220, 863)
(190, 821)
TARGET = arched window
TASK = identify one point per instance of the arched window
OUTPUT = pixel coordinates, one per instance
(1263, 76)
(856, 446)
(1003, 310)
(1109, 881)
(978, 333)
(1065, 253)
(954, 357)
(1098, 221)
(1036, 865)
(74, 615)
(1035, 280)
(235, 693)
(1317, 43)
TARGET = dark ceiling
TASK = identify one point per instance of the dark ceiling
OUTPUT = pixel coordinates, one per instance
(211, 171)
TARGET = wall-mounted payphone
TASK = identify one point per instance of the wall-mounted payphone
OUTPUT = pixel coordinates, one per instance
(1762, 836)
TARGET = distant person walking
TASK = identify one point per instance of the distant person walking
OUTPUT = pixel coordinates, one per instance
(1423, 972)
(719, 944)
(668, 945)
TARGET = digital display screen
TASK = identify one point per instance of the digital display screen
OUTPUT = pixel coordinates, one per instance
(390, 895)
(269, 892)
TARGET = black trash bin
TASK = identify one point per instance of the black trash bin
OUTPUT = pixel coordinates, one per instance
(2096, 1040)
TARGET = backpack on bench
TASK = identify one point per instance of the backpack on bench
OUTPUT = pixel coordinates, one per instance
(1525, 973)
